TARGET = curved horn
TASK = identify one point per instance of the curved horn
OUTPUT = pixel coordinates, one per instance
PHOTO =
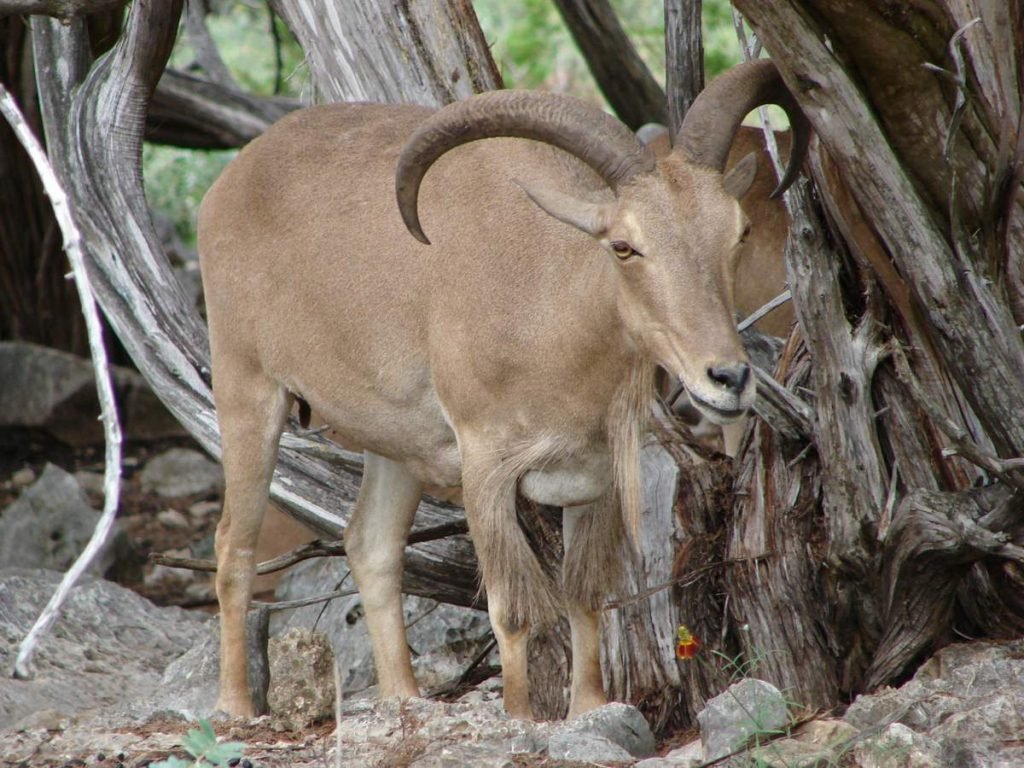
(595, 137)
(711, 122)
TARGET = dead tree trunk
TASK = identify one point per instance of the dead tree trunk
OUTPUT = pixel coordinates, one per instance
(876, 540)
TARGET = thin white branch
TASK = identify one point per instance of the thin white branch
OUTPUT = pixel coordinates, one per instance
(767, 307)
(105, 390)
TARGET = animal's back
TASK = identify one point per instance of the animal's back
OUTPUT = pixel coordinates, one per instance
(311, 204)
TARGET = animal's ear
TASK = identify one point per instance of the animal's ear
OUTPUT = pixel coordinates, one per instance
(741, 176)
(592, 218)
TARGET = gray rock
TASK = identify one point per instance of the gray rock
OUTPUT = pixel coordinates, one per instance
(301, 677)
(620, 724)
(109, 645)
(965, 700)
(443, 638)
(190, 684)
(897, 747)
(746, 708)
(50, 524)
(56, 391)
(586, 748)
(180, 472)
(428, 733)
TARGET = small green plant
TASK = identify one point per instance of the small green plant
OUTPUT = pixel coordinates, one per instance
(206, 751)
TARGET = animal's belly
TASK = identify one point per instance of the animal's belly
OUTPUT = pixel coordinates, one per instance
(581, 480)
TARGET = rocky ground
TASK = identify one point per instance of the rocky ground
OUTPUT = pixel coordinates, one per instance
(131, 665)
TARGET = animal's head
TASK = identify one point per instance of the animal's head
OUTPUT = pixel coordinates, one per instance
(674, 228)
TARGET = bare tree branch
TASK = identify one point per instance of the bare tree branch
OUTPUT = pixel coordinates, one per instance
(187, 111)
(207, 55)
(104, 386)
(621, 74)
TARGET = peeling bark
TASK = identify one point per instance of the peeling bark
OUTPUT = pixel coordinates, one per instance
(684, 58)
(934, 540)
(412, 51)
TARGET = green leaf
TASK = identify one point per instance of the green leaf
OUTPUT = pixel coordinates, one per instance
(199, 740)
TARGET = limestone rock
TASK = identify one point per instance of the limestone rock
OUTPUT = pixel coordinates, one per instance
(897, 747)
(586, 748)
(443, 638)
(109, 643)
(619, 724)
(50, 524)
(302, 677)
(56, 391)
(180, 472)
(746, 708)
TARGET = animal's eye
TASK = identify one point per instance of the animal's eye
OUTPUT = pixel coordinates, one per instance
(746, 233)
(623, 250)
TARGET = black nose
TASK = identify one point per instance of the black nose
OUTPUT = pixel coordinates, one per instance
(732, 377)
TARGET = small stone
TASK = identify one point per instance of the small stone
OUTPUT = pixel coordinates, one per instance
(180, 472)
(203, 509)
(173, 519)
(24, 476)
(617, 723)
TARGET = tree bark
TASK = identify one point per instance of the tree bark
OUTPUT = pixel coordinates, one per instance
(684, 58)
(62, 9)
(37, 303)
(412, 51)
(870, 539)
(621, 74)
(188, 111)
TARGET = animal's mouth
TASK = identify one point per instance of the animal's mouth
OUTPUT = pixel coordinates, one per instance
(713, 412)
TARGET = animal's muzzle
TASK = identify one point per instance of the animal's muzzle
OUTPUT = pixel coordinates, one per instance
(733, 377)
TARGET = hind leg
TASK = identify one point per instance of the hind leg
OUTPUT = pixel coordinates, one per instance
(251, 409)
(375, 544)
(587, 690)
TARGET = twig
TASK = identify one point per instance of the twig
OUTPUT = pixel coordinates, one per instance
(689, 578)
(104, 388)
(960, 79)
(756, 315)
(316, 548)
(275, 35)
(302, 602)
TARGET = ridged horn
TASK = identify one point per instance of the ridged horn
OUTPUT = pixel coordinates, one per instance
(595, 137)
(711, 122)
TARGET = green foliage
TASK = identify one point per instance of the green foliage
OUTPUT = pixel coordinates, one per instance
(177, 179)
(206, 751)
(533, 49)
